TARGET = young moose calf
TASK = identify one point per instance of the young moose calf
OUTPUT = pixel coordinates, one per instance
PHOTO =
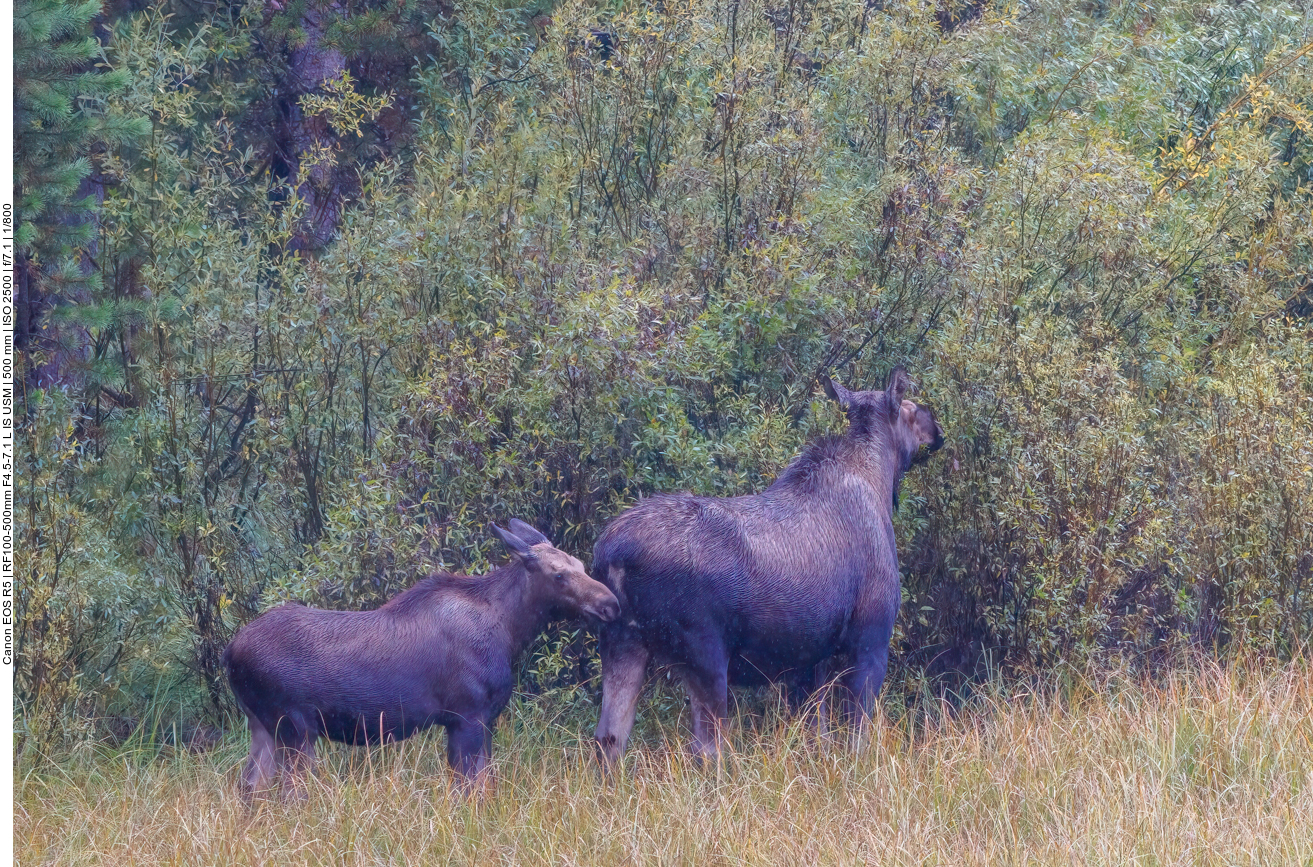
(439, 653)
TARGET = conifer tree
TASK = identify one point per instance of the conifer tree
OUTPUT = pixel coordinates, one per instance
(59, 114)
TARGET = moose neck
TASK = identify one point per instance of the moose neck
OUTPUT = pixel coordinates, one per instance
(877, 459)
(523, 610)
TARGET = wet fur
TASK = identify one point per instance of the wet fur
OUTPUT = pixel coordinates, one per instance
(780, 585)
(440, 653)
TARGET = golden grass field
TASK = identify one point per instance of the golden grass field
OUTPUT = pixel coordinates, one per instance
(1206, 766)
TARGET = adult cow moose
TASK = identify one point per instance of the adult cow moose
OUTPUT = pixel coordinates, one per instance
(439, 653)
(765, 587)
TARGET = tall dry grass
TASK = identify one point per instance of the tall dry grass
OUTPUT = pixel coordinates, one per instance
(1213, 766)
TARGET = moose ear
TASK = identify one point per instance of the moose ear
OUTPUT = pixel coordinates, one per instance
(837, 392)
(516, 545)
(897, 388)
(528, 533)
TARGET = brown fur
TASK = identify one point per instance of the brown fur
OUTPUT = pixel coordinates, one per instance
(765, 587)
(439, 653)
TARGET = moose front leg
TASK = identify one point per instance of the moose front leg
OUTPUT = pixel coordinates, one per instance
(864, 679)
(469, 744)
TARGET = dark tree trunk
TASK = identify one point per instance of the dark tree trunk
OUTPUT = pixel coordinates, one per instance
(320, 186)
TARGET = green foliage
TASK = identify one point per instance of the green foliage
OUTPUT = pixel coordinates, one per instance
(59, 111)
(1117, 365)
(594, 274)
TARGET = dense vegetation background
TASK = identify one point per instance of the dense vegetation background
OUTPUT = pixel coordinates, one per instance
(312, 290)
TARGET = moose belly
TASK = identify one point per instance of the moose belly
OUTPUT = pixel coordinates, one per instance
(783, 657)
(372, 727)
(781, 640)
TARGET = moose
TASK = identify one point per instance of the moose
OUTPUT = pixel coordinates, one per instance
(438, 653)
(769, 587)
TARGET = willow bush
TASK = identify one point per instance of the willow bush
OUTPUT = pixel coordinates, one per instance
(622, 243)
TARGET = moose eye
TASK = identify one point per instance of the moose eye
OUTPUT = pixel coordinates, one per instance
(560, 576)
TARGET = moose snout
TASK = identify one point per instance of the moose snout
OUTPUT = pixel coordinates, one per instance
(605, 607)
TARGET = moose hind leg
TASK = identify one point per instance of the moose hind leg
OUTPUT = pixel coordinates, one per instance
(301, 761)
(296, 756)
(624, 669)
(809, 696)
(260, 769)
(708, 692)
(709, 712)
